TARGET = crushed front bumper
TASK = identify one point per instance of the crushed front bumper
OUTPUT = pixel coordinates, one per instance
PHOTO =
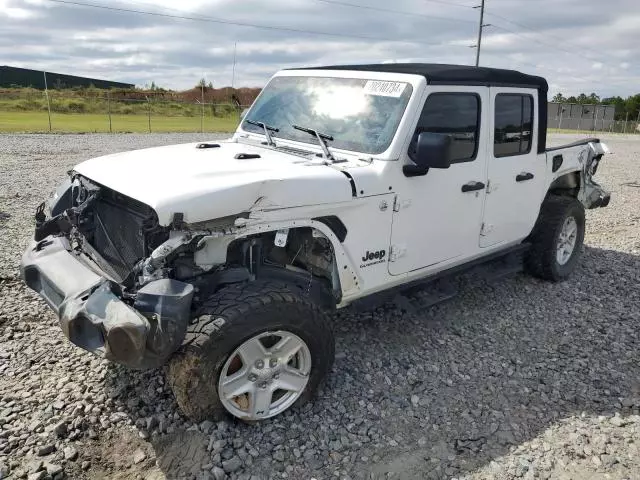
(92, 314)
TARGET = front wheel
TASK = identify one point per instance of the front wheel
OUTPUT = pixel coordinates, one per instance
(253, 351)
(557, 239)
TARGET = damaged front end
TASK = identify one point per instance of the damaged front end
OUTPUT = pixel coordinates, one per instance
(124, 286)
(86, 261)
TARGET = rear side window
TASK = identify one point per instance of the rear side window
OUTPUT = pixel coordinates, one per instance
(513, 124)
(454, 114)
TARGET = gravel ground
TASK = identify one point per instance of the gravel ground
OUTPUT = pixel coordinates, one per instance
(515, 378)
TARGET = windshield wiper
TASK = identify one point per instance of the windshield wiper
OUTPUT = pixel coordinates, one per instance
(322, 140)
(267, 131)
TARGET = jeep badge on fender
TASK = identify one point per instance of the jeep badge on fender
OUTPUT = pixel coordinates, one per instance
(374, 255)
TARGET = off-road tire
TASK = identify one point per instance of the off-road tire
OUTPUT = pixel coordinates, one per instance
(541, 260)
(230, 317)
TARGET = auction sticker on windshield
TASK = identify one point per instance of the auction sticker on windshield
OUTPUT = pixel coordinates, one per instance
(384, 89)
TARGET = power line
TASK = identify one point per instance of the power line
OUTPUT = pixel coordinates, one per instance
(451, 4)
(241, 24)
(398, 12)
(533, 31)
(540, 42)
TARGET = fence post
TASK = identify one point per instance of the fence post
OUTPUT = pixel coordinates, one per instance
(46, 92)
(637, 123)
(561, 112)
(580, 119)
(109, 110)
(625, 124)
(202, 109)
(149, 112)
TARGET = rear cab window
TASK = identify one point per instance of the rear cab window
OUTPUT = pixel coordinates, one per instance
(513, 124)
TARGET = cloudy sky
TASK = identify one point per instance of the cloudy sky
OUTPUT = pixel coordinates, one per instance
(578, 45)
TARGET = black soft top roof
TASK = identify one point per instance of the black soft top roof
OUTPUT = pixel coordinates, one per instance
(442, 74)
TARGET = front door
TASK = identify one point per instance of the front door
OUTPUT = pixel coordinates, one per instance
(437, 217)
(515, 171)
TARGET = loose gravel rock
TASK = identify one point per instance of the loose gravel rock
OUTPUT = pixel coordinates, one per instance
(512, 379)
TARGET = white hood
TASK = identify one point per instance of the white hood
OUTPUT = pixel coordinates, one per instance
(209, 183)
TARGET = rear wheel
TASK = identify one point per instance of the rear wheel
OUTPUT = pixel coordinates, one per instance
(557, 239)
(253, 351)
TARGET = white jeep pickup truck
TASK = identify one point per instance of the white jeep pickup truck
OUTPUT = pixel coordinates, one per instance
(342, 184)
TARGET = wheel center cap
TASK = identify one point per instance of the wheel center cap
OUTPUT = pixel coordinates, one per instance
(267, 373)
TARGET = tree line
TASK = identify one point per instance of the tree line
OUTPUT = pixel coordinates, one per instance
(629, 106)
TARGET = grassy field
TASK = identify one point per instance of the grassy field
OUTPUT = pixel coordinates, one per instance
(89, 122)
(36, 122)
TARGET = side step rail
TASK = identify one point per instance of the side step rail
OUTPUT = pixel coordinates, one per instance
(441, 287)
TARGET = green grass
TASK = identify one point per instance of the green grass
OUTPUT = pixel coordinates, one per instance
(92, 123)
(37, 121)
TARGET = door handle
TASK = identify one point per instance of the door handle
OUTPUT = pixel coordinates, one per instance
(472, 186)
(524, 176)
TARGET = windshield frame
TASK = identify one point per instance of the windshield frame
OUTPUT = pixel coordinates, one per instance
(417, 83)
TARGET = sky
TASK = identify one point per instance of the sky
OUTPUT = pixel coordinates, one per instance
(578, 45)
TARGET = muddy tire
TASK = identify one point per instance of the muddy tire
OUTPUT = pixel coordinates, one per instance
(215, 352)
(557, 239)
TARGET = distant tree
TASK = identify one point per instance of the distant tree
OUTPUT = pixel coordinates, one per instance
(559, 98)
(593, 98)
(210, 85)
(629, 106)
(202, 83)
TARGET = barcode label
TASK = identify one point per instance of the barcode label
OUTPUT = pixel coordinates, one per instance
(384, 89)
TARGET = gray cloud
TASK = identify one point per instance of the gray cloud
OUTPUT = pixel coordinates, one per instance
(577, 45)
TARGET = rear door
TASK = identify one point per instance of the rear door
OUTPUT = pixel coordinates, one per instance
(515, 170)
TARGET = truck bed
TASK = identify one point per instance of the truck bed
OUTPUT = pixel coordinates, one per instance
(577, 143)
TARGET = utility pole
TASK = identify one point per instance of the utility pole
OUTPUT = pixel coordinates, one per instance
(46, 92)
(233, 71)
(202, 105)
(480, 27)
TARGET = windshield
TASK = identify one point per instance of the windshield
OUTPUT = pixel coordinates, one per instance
(361, 115)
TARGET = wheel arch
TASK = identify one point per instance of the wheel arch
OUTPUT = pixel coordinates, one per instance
(245, 256)
(567, 185)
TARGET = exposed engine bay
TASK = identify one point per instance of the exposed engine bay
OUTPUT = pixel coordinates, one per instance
(122, 237)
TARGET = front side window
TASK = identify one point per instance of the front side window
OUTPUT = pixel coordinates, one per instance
(454, 114)
(513, 126)
(361, 115)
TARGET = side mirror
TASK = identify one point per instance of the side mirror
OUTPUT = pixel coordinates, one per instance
(433, 150)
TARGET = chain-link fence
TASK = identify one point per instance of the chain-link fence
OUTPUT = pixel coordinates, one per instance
(625, 126)
(31, 110)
